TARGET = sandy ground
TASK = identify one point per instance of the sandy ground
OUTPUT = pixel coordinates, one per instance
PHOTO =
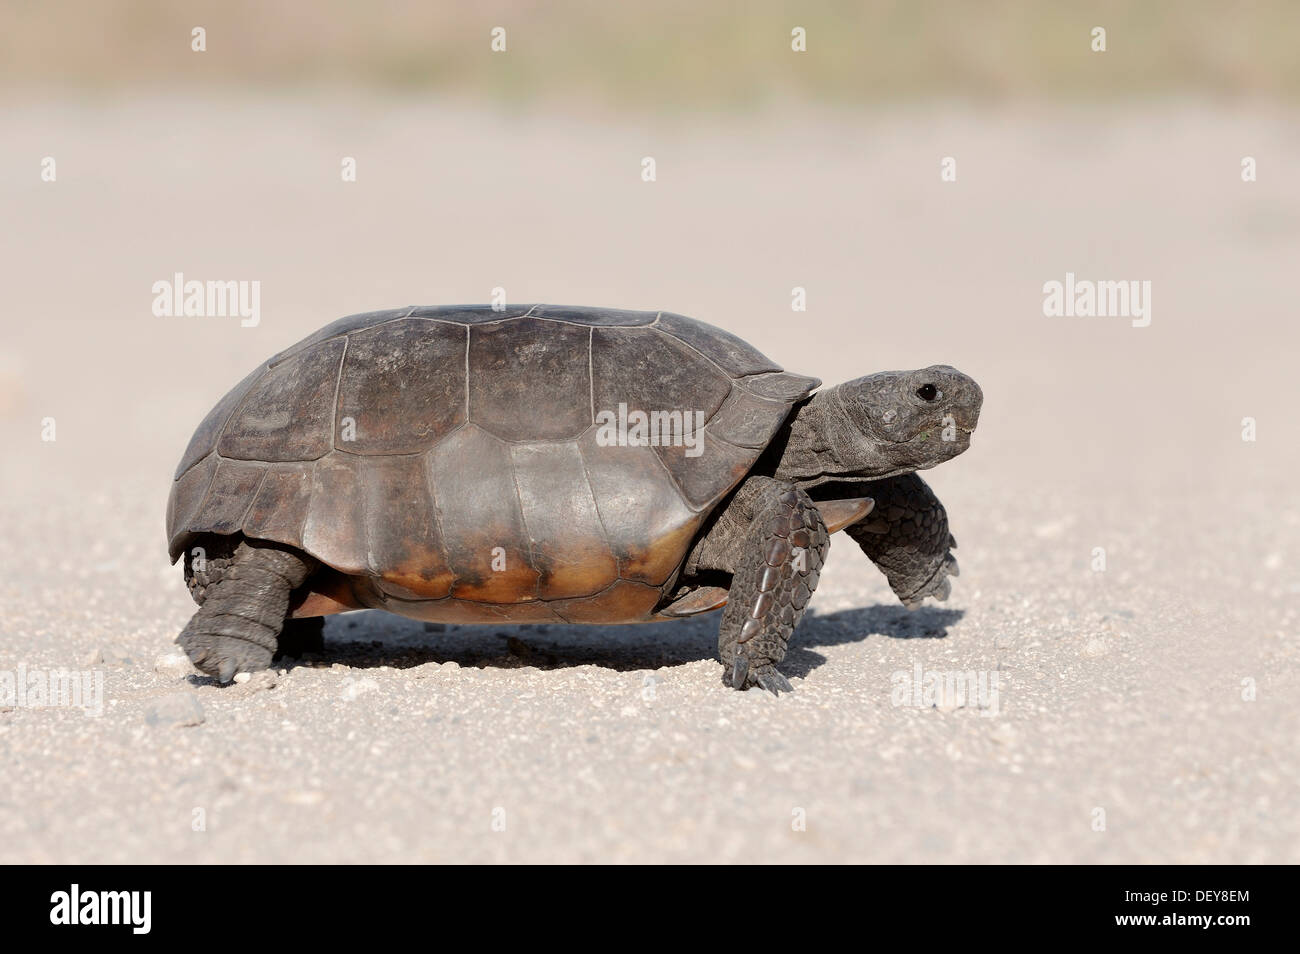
(1155, 700)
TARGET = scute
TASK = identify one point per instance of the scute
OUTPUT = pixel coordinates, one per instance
(746, 419)
(189, 490)
(470, 314)
(279, 510)
(447, 458)
(734, 355)
(623, 600)
(288, 414)
(529, 379)
(229, 495)
(206, 436)
(607, 317)
(403, 387)
(481, 519)
(648, 371)
(648, 524)
(335, 529)
(784, 386)
(343, 326)
(404, 545)
(566, 537)
(727, 466)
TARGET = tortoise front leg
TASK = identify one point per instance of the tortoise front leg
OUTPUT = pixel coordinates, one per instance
(775, 575)
(907, 537)
(243, 610)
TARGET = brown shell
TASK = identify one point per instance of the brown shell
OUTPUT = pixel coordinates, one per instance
(447, 460)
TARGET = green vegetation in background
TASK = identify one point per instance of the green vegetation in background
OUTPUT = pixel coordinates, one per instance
(665, 53)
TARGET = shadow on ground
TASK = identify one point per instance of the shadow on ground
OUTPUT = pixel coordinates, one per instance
(374, 638)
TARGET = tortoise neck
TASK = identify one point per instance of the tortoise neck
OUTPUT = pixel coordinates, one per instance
(825, 445)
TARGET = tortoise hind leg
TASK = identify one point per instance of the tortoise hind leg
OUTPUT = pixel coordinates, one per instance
(238, 623)
(774, 578)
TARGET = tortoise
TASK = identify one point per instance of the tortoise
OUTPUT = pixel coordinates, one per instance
(473, 464)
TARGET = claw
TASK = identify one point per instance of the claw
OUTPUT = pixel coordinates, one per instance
(950, 564)
(952, 542)
(942, 591)
(773, 682)
(739, 671)
(227, 671)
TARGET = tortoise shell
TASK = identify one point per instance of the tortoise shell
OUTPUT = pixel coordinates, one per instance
(445, 463)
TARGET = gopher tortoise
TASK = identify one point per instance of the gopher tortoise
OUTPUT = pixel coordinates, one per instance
(470, 464)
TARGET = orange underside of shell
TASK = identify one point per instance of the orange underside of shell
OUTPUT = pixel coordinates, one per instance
(623, 601)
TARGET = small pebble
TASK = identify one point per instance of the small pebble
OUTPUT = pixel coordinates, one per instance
(173, 664)
(175, 709)
(355, 688)
(260, 680)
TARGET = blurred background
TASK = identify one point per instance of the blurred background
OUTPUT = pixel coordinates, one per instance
(775, 169)
(680, 55)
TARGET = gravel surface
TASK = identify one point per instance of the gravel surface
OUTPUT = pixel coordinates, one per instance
(1144, 712)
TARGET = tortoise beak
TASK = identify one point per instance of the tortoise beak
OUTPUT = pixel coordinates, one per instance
(962, 397)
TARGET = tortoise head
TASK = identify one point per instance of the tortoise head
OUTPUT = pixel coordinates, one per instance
(916, 419)
(883, 424)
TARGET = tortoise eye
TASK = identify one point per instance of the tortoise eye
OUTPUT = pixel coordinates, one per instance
(927, 392)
